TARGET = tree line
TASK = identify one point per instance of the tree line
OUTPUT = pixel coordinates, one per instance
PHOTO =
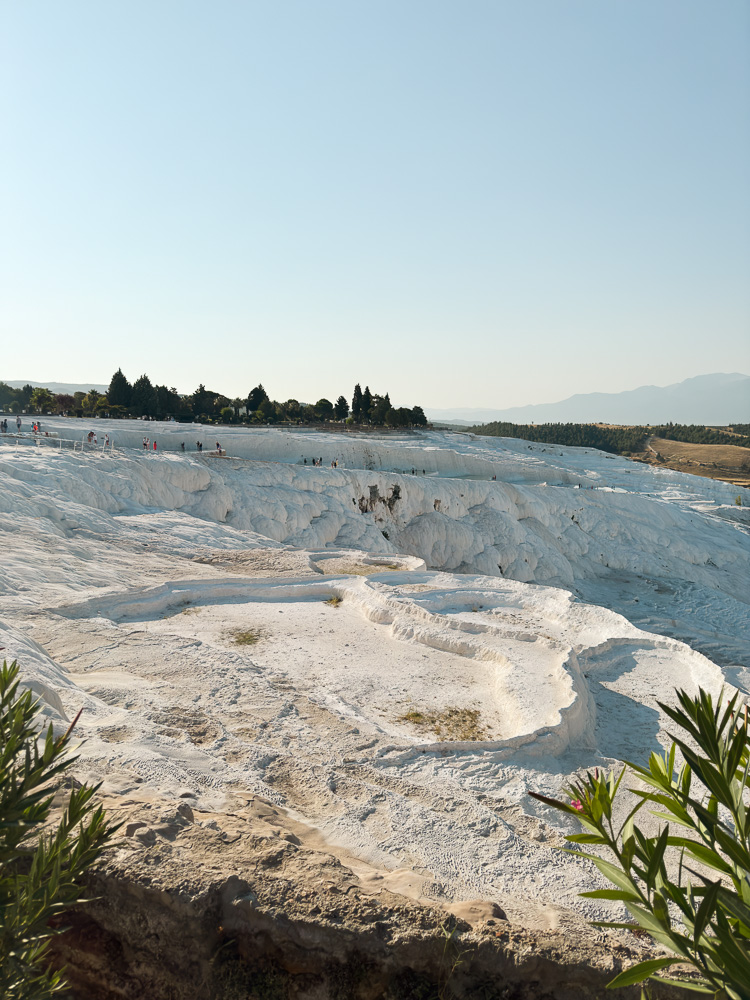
(144, 399)
(615, 440)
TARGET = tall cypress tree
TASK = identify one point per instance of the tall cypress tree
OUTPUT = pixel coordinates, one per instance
(120, 390)
(357, 402)
(366, 403)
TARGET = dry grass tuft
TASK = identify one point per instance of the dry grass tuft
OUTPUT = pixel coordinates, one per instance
(334, 601)
(246, 637)
(458, 724)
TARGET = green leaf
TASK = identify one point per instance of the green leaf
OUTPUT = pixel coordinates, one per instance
(618, 894)
(586, 838)
(734, 905)
(615, 875)
(703, 854)
(658, 856)
(696, 985)
(705, 910)
(643, 970)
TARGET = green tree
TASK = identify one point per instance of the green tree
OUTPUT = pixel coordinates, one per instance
(417, 416)
(42, 400)
(168, 402)
(380, 406)
(202, 401)
(220, 402)
(227, 415)
(341, 409)
(40, 870)
(366, 404)
(357, 403)
(266, 410)
(7, 394)
(292, 409)
(90, 401)
(401, 417)
(324, 409)
(143, 398)
(255, 397)
(120, 390)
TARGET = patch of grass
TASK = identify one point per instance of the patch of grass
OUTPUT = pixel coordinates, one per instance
(459, 724)
(417, 718)
(246, 637)
(334, 601)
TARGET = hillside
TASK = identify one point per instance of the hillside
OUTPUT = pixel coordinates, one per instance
(705, 399)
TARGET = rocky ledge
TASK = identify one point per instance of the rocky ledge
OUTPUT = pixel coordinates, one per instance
(248, 904)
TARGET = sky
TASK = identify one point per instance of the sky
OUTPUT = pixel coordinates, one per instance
(463, 204)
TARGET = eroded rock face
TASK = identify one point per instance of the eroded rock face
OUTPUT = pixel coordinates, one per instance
(249, 903)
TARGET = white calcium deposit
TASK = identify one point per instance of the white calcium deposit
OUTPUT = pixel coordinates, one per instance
(486, 637)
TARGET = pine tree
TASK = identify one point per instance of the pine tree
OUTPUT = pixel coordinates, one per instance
(366, 403)
(255, 397)
(341, 409)
(120, 390)
(357, 403)
(143, 398)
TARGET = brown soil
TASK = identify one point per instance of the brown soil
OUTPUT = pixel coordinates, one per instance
(726, 462)
(250, 904)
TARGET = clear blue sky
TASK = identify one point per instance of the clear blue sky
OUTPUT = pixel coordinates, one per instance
(465, 204)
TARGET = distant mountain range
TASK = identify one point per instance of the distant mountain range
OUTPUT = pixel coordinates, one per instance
(705, 399)
(56, 387)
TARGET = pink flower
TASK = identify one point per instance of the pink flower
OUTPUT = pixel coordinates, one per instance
(576, 803)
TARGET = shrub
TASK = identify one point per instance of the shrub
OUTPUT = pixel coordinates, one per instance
(703, 916)
(39, 869)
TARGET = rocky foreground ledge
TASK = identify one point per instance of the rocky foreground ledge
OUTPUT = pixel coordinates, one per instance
(248, 903)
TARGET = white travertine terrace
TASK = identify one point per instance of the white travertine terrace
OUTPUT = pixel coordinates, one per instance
(556, 605)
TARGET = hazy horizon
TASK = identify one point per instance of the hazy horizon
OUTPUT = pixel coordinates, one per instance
(494, 206)
(102, 385)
